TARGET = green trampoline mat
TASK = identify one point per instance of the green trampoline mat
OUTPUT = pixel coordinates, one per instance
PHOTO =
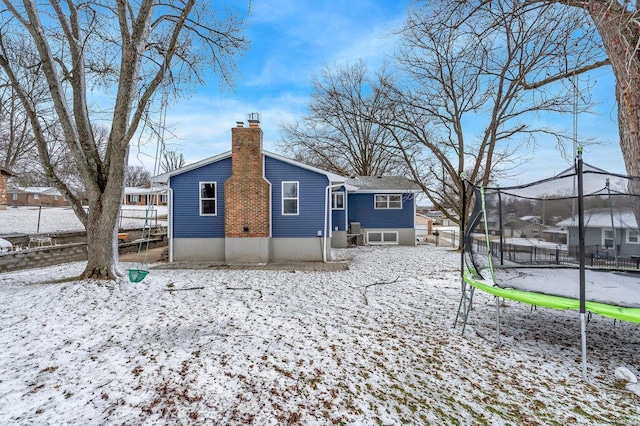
(555, 302)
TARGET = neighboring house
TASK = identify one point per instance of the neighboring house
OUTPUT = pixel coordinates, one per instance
(43, 196)
(253, 206)
(532, 219)
(424, 226)
(143, 196)
(599, 236)
(518, 228)
(515, 228)
(5, 174)
(555, 234)
(439, 218)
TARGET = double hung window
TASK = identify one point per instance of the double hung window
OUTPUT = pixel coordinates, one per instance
(290, 198)
(337, 200)
(208, 200)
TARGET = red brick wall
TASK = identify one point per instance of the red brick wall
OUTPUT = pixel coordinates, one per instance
(28, 199)
(246, 193)
(3, 189)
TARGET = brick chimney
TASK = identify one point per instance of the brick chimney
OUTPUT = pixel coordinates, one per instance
(246, 192)
(4, 178)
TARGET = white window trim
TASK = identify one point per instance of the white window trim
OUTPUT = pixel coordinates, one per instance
(14, 196)
(134, 198)
(382, 241)
(335, 195)
(628, 233)
(297, 198)
(215, 192)
(387, 196)
(36, 196)
(604, 238)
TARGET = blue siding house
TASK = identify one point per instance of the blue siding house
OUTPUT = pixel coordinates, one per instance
(382, 209)
(252, 206)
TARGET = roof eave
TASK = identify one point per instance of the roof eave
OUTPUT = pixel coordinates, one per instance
(164, 177)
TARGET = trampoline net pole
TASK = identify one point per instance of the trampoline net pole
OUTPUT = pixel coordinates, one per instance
(463, 284)
(497, 321)
(486, 234)
(581, 261)
(583, 338)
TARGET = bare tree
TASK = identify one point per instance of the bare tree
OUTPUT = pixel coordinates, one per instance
(17, 144)
(171, 160)
(339, 133)
(127, 50)
(614, 25)
(137, 176)
(617, 23)
(466, 103)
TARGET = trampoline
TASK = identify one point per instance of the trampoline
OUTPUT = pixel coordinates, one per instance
(571, 241)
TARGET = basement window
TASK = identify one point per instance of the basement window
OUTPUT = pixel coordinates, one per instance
(379, 237)
(290, 198)
(208, 201)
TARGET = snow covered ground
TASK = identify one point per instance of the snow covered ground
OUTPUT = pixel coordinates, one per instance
(46, 220)
(372, 345)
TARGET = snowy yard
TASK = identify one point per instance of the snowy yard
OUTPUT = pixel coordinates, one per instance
(47, 220)
(372, 345)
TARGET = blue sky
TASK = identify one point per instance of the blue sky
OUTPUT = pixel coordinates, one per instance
(291, 41)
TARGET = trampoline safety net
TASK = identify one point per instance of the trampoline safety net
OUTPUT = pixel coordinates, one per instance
(526, 238)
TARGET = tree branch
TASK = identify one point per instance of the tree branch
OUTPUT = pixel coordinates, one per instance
(558, 77)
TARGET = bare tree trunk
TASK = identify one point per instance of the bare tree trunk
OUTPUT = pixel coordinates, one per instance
(147, 39)
(102, 224)
(102, 243)
(619, 38)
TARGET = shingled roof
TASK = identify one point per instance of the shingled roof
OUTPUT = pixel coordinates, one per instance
(382, 183)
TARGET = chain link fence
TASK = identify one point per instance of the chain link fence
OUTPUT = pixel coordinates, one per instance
(34, 220)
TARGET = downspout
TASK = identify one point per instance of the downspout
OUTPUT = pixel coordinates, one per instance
(415, 209)
(170, 224)
(327, 212)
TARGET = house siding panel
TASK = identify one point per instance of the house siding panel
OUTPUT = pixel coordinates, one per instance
(361, 209)
(338, 219)
(187, 222)
(310, 218)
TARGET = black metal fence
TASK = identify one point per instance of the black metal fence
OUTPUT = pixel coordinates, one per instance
(559, 255)
(35, 220)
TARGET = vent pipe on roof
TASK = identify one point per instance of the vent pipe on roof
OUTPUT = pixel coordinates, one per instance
(254, 119)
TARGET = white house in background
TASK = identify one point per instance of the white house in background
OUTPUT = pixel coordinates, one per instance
(602, 234)
(532, 219)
